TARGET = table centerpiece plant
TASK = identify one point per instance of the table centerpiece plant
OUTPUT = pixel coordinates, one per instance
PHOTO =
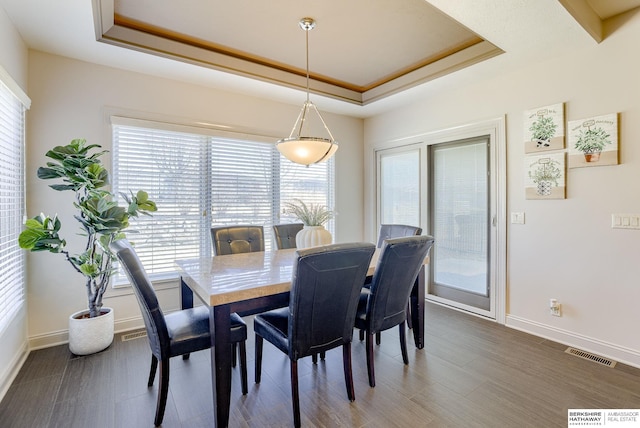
(313, 217)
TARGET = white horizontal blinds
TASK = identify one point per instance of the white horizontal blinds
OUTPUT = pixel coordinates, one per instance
(198, 180)
(12, 176)
(169, 167)
(312, 185)
(242, 184)
(399, 187)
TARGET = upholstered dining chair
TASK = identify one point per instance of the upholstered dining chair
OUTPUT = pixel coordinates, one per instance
(385, 305)
(393, 231)
(325, 290)
(285, 235)
(396, 231)
(237, 239)
(176, 333)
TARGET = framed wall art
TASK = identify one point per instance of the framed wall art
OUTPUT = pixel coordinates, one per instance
(593, 141)
(545, 176)
(544, 128)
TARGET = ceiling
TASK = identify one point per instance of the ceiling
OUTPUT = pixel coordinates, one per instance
(365, 56)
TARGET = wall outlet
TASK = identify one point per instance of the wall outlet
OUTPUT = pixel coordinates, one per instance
(555, 308)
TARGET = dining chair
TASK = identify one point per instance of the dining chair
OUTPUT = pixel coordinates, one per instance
(393, 231)
(285, 235)
(396, 231)
(385, 305)
(325, 289)
(237, 239)
(176, 333)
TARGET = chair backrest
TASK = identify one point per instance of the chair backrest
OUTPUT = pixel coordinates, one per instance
(151, 313)
(325, 290)
(285, 235)
(398, 266)
(396, 231)
(237, 239)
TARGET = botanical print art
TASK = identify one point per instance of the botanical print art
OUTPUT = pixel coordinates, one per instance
(545, 176)
(544, 128)
(594, 141)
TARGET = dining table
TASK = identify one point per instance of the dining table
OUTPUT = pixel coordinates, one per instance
(250, 283)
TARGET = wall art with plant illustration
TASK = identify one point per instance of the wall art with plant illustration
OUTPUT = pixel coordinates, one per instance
(545, 176)
(544, 128)
(593, 141)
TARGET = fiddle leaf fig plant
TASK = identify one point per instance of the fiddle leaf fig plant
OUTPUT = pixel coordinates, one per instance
(101, 219)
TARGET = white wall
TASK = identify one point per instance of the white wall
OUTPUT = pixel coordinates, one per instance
(567, 249)
(13, 59)
(70, 99)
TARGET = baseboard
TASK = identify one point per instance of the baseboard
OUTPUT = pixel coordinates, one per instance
(61, 337)
(621, 354)
(13, 368)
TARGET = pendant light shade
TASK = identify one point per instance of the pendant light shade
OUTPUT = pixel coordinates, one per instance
(300, 146)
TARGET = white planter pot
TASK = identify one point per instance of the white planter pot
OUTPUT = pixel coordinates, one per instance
(313, 236)
(90, 335)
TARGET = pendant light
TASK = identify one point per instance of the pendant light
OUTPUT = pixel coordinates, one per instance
(299, 147)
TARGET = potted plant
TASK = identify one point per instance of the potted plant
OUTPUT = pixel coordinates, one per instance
(542, 130)
(545, 174)
(102, 221)
(591, 142)
(313, 217)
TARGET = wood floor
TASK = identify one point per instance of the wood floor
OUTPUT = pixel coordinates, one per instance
(472, 373)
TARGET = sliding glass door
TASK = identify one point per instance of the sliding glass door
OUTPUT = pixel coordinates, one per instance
(459, 213)
(447, 184)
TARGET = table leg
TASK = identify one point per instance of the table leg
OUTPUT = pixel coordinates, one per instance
(186, 295)
(219, 323)
(417, 309)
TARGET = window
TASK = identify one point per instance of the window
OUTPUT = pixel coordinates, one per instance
(12, 177)
(200, 180)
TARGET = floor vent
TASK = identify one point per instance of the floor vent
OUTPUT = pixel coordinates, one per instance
(591, 357)
(134, 335)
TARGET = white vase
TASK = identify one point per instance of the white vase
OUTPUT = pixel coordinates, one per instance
(90, 335)
(313, 236)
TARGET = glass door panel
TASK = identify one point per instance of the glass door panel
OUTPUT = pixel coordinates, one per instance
(399, 187)
(459, 214)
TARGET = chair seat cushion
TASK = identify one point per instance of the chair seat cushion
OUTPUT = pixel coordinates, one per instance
(189, 330)
(273, 326)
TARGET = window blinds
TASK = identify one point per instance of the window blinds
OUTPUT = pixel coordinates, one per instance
(200, 180)
(12, 176)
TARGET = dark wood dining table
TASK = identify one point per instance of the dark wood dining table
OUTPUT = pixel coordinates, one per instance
(250, 283)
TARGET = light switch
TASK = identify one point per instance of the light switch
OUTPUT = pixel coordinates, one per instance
(517, 218)
(625, 221)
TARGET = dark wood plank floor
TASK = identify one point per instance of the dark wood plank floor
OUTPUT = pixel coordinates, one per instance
(472, 373)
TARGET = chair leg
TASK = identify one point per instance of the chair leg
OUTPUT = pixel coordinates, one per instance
(361, 335)
(243, 366)
(403, 343)
(409, 320)
(185, 356)
(378, 334)
(322, 355)
(259, 341)
(370, 369)
(314, 358)
(295, 397)
(348, 372)
(162, 392)
(234, 354)
(152, 373)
